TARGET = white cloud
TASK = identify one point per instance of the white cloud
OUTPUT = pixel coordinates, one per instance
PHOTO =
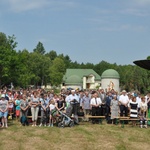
(103, 11)
(138, 8)
(99, 20)
(26, 5)
(142, 2)
(135, 12)
(124, 27)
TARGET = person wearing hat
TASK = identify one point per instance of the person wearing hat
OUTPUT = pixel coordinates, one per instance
(4, 110)
(123, 100)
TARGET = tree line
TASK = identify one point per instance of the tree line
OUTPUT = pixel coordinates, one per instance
(43, 67)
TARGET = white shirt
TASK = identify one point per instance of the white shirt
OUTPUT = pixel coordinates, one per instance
(138, 100)
(51, 106)
(143, 106)
(72, 97)
(124, 99)
(96, 100)
(67, 99)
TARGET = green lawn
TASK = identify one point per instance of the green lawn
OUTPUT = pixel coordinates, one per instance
(85, 136)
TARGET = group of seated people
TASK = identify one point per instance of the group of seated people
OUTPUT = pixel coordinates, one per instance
(47, 104)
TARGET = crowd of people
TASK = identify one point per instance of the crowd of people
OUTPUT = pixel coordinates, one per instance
(21, 103)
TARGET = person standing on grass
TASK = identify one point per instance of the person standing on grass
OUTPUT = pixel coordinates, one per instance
(81, 95)
(4, 110)
(138, 100)
(114, 109)
(86, 105)
(133, 107)
(24, 105)
(143, 111)
(123, 100)
(44, 109)
(35, 107)
(53, 112)
(103, 98)
(73, 99)
(109, 98)
(17, 105)
(95, 104)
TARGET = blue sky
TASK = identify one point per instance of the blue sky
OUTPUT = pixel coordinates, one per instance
(116, 31)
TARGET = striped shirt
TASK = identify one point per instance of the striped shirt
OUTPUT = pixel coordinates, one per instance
(133, 109)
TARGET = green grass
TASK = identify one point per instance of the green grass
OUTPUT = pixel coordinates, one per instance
(121, 147)
(86, 136)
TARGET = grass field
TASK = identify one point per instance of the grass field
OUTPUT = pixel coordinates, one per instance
(85, 136)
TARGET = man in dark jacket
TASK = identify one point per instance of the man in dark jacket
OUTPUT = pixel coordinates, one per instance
(108, 101)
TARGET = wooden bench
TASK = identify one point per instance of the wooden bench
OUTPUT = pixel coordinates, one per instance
(90, 117)
(101, 118)
(123, 119)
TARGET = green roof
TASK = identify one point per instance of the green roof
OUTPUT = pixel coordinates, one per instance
(110, 73)
(74, 79)
(76, 75)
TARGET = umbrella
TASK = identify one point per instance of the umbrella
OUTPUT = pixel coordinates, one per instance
(143, 63)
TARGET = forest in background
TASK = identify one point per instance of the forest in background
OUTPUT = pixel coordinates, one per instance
(43, 67)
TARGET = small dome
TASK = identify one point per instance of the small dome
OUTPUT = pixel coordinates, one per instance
(110, 73)
(74, 79)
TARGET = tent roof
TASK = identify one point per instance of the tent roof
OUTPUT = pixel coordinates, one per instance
(143, 63)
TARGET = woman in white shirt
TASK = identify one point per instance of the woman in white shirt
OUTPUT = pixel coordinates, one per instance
(143, 110)
(35, 102)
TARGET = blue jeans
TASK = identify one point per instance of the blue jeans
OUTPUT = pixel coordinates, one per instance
(4, 114)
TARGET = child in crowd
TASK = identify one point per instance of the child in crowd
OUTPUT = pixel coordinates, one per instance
(53, 112)
(17, 104)
(10, 108)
